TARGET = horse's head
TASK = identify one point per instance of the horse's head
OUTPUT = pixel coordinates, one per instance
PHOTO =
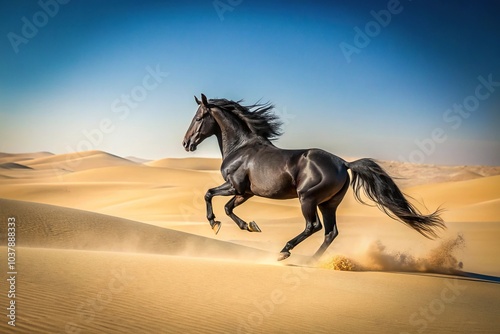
(202, 126)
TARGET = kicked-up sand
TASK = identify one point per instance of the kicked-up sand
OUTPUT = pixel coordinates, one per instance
(109, 245)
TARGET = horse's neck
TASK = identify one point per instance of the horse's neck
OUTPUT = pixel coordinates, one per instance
(232, 134)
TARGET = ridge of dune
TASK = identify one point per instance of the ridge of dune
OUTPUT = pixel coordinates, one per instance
(487, 211)
(70, 156)
(25, 154)
(15, 157)
(140, 173)
(456, 193)
(77, 161)
(137, 159)
(49, 226)
(468, 200)
(13, 165)
(187, 163)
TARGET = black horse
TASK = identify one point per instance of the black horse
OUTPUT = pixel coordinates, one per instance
(252, 165)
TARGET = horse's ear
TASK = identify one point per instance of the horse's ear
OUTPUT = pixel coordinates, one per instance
(197, 101)
(204, 100)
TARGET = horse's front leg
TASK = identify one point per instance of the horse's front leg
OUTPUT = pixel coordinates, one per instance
(225, 189)
(234, 202)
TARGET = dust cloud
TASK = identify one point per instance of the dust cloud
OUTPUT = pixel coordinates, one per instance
(378, 257)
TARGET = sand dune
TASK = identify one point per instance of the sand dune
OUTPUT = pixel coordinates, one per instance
(46, 226)
(13, 165)
(134, 183)
(187, 163)
(471, 200)
(145, 174)
(29, 175)
(77, 161)
(409, 175)
(141, 293)
(14, 157)
(137, 160)
(124, 246)
(116, 276)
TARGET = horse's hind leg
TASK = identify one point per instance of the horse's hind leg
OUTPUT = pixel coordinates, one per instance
(328, 210)
(331, 231)
(234, 202)
(313, 225)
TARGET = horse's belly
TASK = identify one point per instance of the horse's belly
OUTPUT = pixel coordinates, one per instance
(276, 187)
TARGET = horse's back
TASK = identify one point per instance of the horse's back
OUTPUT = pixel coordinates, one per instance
(282, 174)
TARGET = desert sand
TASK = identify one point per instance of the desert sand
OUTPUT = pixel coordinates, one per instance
(112, 245)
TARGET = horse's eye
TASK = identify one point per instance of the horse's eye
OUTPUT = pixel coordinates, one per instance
(198, 119)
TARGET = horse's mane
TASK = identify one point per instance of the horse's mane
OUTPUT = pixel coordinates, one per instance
(258, 118)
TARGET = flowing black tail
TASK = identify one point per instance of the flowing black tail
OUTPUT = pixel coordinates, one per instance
(380, 188)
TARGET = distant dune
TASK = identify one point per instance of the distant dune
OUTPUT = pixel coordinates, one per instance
(14, 157)
(114, 245)
(187, 163)
(77, 161)
(408, 174)
(13, 165)
(138, 160)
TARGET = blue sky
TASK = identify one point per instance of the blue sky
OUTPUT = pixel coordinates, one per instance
(64, 87)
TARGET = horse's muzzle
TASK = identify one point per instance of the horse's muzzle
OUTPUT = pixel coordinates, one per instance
(188, 146)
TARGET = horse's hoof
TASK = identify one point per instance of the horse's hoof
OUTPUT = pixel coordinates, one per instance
(283, 255)
(252, 227)
(216, 227)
